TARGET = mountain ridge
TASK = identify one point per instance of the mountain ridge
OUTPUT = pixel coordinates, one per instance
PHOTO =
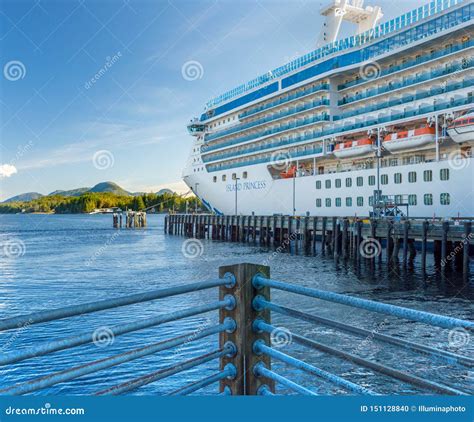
(102, 187)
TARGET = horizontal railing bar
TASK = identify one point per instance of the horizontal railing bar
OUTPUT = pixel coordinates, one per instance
(386, 370)
(260, 370)
(368, 305)
(85, 308)
(296, 363)
(74, 341)
(195, 386)
(449, 357)
(164, 373)
(98, 365)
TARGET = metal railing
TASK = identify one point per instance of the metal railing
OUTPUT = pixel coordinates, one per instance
(245, 351)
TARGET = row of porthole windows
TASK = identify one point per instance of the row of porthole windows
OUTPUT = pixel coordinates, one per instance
(234, 176)
(397, 178)
(444, 199)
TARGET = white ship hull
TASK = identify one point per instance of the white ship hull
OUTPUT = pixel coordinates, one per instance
(262, 195)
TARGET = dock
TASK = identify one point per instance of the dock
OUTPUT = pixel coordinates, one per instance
(340, 237)
(129, 219)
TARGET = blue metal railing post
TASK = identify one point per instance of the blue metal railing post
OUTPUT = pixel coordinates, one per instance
(246, 381)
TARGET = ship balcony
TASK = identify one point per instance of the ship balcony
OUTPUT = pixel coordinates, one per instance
(408, 115)
(412, 63)
(277, 116)
(288, 98)
(254, 136)
(407, 99)
(196, 127)
(426, 77)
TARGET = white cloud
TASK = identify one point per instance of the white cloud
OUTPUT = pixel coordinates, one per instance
(7, 170)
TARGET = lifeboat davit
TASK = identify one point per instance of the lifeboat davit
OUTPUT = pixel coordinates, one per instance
(462, 129)
(354, 148)
(410, 139)
(288, 174)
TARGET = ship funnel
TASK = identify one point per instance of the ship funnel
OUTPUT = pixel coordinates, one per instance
(347, 10)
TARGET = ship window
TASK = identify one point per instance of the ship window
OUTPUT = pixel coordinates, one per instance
(348, 202)
(328, 184)
(371, 180)
(338, 202)
(398, 199)
(214, 179)
(384, 179)
(428, 176)
(234, 176)
(428, 199)
(444, 174)
(318, 184)
(412, 200)
(244, 175)
(444, 199)
(318, 202)
(412, 176)
(360, 181)
(328, 202)
(338, 183)
(371, 201)
(224, 177)
(360, 201)
(397, 178)
(348, 182)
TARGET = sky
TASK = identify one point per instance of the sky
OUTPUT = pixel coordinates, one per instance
(101, 90)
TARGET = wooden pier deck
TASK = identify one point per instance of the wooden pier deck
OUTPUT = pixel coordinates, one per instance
(359, 238)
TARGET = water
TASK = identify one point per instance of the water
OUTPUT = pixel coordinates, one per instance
(64, 260)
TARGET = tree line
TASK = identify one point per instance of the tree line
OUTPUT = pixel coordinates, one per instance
(90, 201)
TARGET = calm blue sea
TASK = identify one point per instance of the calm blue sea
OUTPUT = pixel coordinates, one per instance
(50, 261)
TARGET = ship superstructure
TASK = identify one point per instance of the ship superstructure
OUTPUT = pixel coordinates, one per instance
(379, 122)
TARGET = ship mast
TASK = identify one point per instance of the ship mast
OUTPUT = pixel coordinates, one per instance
(347, 10)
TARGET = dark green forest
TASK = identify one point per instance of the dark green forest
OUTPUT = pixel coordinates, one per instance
(87, 202)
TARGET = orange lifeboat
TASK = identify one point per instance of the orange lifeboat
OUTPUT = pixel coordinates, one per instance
(421, 138)
(288, 174)
(354, 148)
(462, 129)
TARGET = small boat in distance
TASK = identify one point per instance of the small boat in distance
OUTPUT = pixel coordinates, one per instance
(421, 138)
(354, 148)
(462, 129)
(106, 210)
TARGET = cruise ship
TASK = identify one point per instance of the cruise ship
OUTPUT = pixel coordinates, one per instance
(379, 123)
